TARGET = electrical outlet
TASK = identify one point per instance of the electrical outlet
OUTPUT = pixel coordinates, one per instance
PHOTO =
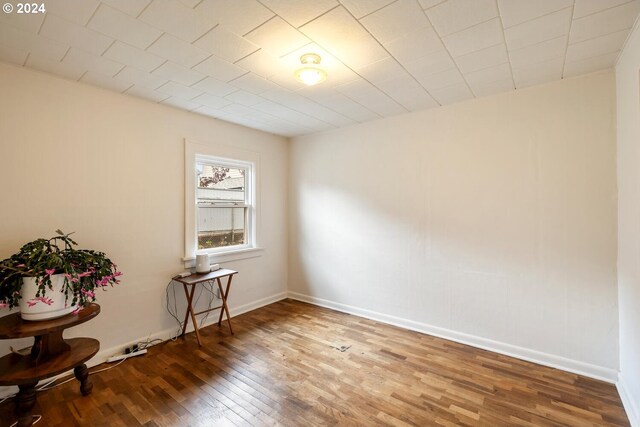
(131, 349)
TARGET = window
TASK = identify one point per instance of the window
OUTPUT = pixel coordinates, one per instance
(222, 202)
(223, 206)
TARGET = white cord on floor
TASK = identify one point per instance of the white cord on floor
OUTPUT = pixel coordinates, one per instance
(33, 423)
(48, 385)
(107, 368)
(44, 387)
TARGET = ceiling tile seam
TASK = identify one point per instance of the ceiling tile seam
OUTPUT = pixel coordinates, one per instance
(566, 46)
(144, 9)
(88, 20)
(593, 57)
(24, 64)
(109, 47)
(489, 66)
(65, 54)
(449, 54)
(635, 25)
(317, 17)
(433, 5)
(146, 99)
(205, 59)
(301, 25)
(608, 52)
(92, 14)
(236, 78)
(231, 93)
(263, 23)
(201, 80)
(535, 44)
(371, 13)
(158, 28)
(132, 85)
(276, 118)
(598, 36)
(152, 71)
(538, 17)
(360, 104)
(154, 42)
(123, 67)
(206, 32)
(155, 88)
(42, 24)
(461, 30)
(244, 57)
(604, 10)
(79, 78)
(344, 115)
(504, 37)
(197, 4)
(328, 108)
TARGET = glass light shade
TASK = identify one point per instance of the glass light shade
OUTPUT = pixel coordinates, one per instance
(310, 75)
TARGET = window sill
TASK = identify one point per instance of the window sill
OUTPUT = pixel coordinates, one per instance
(232, 255)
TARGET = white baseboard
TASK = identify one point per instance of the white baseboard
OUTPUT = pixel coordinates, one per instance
(630, 402)
(593, 371)
(165, 334)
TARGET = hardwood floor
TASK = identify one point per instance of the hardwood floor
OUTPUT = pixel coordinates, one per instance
(284, 367)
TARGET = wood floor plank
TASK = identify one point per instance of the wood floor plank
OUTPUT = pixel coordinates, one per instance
(294, 364)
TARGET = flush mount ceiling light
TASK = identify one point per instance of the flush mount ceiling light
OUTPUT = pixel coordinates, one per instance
(310, 74)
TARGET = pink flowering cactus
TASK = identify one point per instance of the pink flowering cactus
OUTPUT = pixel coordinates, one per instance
(36, 300)
(83, 270)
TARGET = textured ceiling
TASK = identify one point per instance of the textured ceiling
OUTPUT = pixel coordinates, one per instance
(234, 59)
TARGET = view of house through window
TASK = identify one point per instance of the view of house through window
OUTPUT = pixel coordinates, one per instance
(222, 209)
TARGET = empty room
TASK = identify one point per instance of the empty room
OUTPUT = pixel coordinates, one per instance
(319, 213)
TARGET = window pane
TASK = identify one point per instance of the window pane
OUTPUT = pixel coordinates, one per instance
(220, 226)
(220, 223)
(217, 183)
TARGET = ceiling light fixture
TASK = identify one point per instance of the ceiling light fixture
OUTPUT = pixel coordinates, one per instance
(311, 74)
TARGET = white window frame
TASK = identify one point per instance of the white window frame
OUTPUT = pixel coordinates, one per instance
(226, 156)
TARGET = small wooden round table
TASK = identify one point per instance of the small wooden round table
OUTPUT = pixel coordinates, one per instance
(51, 355)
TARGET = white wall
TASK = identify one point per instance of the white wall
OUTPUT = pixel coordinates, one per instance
(110, 168)
(491, 222)
(628, 113)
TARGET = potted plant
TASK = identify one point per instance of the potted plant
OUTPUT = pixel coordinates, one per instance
(49, 278)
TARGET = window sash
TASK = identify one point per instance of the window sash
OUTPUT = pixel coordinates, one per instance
(249, 182)
(222, 205)
(218, 154)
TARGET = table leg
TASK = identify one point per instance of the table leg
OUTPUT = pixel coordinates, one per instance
(25, 401)
(186, 316)
(225, 308)
(82, 374)
(190, 312)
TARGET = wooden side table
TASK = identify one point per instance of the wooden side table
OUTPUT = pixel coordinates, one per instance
(195, 279)
(51, 355)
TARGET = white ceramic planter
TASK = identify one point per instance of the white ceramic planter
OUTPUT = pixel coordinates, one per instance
(41, 310)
